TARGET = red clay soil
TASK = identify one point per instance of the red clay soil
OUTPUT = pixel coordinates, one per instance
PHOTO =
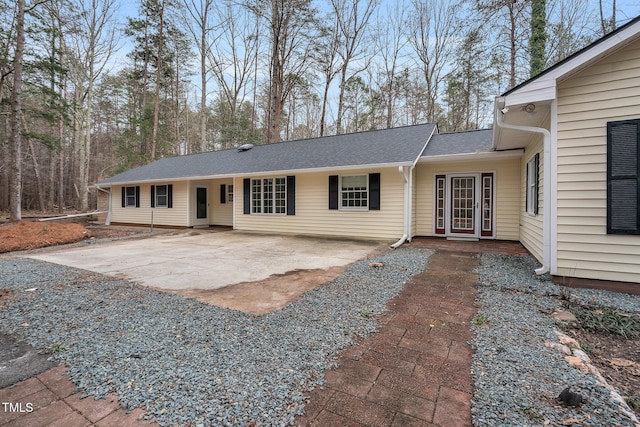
(25, 235)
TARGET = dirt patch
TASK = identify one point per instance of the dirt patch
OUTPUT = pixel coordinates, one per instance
(25, 235)
(617, 359)
(265, 296)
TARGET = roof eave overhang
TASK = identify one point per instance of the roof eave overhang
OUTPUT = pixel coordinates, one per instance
(260, 173)
(477, 156)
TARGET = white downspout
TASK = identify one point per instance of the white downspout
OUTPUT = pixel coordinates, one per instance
(406, 177)
(108, 220)
(546, 189)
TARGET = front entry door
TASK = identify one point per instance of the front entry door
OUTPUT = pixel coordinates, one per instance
(463, 205)
(202, 206)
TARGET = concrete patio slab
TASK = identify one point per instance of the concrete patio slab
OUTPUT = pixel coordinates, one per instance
(199, 260)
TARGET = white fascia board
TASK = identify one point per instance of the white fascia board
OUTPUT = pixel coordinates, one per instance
(261, 173)
(544, 91)
(466, 157)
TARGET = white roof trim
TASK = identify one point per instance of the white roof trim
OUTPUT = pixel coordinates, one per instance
(261, 173)
(480, 155)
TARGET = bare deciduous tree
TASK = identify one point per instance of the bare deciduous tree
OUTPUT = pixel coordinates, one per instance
(433, 26)
(353, 21)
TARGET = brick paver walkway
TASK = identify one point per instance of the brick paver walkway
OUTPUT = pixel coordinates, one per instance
(415, 371)
(50, 400)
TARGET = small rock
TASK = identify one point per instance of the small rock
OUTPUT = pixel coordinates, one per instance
(376, 264)
(570, 398)
(564, 316)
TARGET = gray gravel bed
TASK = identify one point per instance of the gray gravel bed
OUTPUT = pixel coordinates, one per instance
(517, 378)
(188, 363)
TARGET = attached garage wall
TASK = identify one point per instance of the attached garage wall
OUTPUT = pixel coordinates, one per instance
(507, 172)
(607, 91)
(175, 216)
(313, 216)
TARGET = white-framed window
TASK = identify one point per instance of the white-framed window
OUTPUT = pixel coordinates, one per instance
(532, 185)
(269, 195)
(162, 196)
(230, 193)
(131, 195)
(354, 192)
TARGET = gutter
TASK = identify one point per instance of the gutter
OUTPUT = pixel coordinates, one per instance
(108, 220)
(546, 189)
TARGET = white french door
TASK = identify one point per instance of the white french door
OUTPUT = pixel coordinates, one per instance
(463, 205)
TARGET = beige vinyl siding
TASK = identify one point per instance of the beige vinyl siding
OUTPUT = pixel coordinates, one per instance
(607, 91)
(222, 213)
(507, 193)
(175, 216)
(313, 216)
(531, 226)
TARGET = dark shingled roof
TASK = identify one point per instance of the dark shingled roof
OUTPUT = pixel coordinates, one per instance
(468, 142)
(388, 146)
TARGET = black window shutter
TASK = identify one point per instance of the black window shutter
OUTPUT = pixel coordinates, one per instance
(137, 196)
(291, 195)
(374, 191)
(170, 195)
(223, 193)
(623, 177)
(124, 197)
(333, 192)
(536, 171)
(153, 196)
(246, 187)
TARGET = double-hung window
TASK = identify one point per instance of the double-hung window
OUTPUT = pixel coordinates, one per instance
(230, 193)
(353, 192)
(131, 197)
(269, 195)
(162, 196)
(533, 167)
(623, 177)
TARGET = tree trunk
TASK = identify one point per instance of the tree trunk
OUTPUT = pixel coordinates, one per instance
(203, 93)
(512, 41)
(343, 80)
(156, 108)
(15, 185)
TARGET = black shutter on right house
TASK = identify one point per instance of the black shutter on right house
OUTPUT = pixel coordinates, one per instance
(137, 196)
(536, 170)
(246, 187)
(124, 197)
(223, 193)
(153, 196)
(623, 177)
(333, 192)
(374, 191)
(291, 195)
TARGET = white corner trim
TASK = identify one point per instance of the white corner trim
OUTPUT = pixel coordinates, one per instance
(553, 196)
